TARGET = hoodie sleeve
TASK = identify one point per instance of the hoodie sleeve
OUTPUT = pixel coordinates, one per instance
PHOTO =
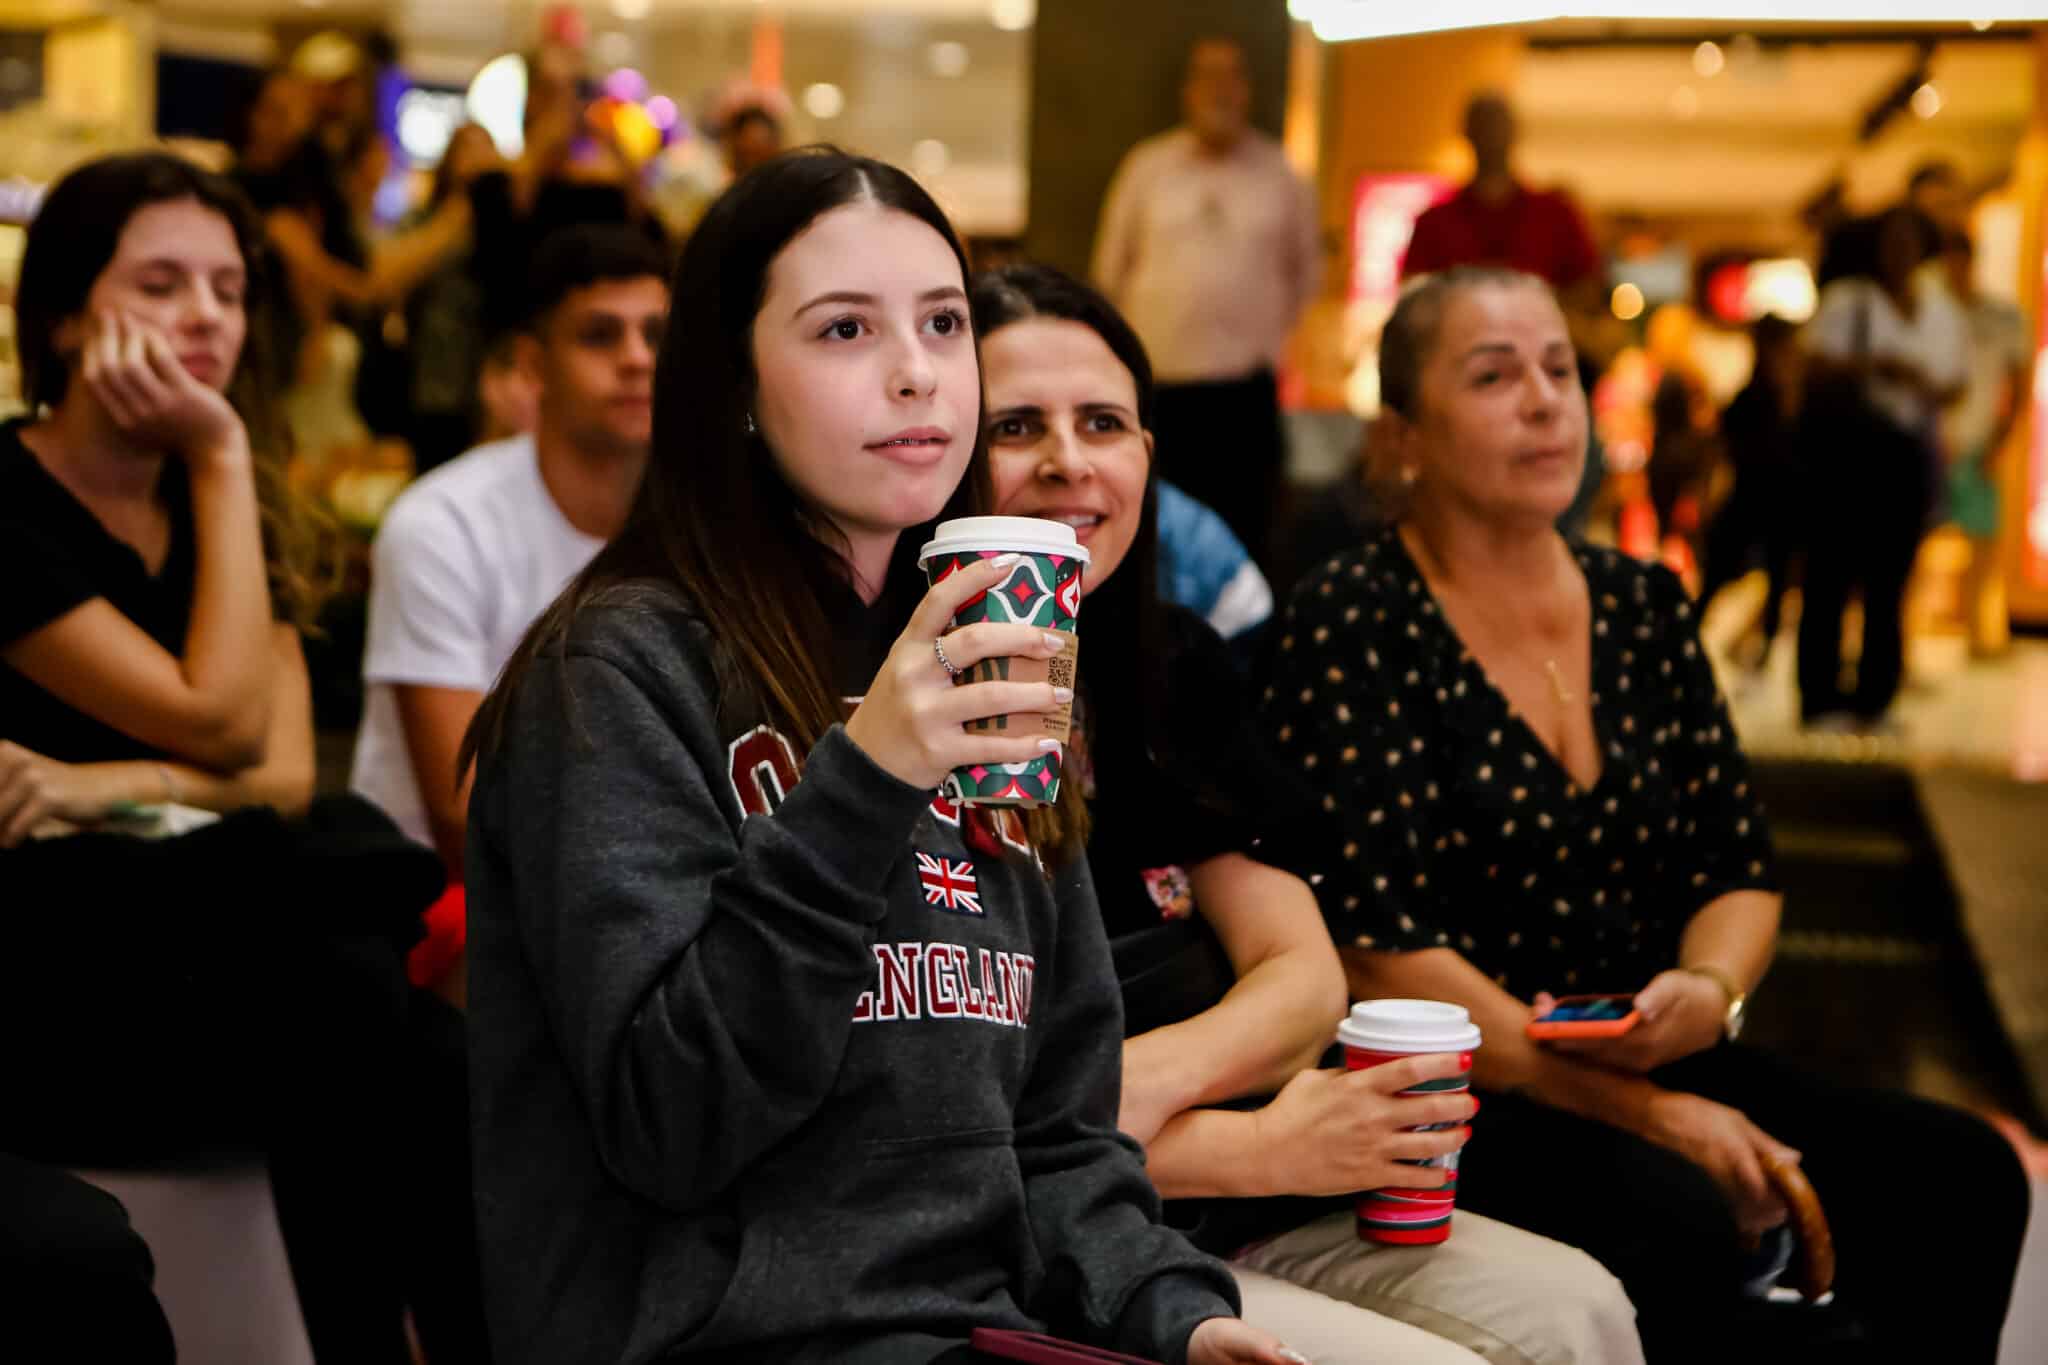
(698, 980)
(1114, 1273)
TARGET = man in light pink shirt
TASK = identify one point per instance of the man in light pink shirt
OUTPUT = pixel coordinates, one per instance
(1209, 246)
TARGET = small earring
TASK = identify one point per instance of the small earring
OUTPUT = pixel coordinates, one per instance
(751, 428)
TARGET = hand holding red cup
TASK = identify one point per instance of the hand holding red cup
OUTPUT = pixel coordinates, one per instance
(1380, 1031)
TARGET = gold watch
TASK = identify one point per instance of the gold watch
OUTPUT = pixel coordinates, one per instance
(1738, 999)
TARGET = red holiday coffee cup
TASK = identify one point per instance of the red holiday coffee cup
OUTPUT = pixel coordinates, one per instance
(1381, 1031)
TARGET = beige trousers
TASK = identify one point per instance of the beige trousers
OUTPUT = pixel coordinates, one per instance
(1491, 1292)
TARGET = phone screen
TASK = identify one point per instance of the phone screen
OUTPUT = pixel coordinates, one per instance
(1596, 1010)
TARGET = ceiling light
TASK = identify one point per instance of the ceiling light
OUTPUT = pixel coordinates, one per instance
(1927, 101)
(1685, 102)
(1344, 20)
(632, 11)
(947, 59)
(1707, 60)
(1982, 25)
(824, 100)
(1013, 16)
(930, 158)
(1627, 302)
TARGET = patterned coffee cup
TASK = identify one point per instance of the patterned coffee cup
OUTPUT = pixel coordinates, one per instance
(1043, 589)
(1380, 1031)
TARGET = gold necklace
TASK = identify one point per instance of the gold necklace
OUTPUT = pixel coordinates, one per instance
(1557, 685)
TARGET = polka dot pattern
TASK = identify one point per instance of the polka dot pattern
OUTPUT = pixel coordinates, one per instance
(1469, 830)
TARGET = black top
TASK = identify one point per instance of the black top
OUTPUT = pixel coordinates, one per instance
(1219, 793)
(1161, 822)
(1461, 830)
(55, 556)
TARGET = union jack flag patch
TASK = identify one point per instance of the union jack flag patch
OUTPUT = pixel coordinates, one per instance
(949, 884)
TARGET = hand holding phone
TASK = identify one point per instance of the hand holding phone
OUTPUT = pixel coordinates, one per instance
(1585, 1016)
(1677, 1014)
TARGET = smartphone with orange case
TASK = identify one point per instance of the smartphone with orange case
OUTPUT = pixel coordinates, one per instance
(1587, 1016)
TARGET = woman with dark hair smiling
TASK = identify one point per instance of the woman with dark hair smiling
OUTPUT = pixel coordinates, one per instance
(1536, 788)
(1232, 988)
(745, 1090)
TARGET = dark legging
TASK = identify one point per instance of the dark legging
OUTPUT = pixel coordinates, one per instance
(313, 1049)
(1918, 1289)
(76, 1275)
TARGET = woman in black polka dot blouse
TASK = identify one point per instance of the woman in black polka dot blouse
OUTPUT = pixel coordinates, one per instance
(1534, 788)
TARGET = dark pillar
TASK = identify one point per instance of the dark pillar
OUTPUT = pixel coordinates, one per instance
(1107, 73)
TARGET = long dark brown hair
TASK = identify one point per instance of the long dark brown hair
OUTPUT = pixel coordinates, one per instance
(714, 516)
(1124, 659)
(71, 241)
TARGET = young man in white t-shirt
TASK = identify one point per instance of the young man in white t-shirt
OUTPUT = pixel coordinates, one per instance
(474, 552)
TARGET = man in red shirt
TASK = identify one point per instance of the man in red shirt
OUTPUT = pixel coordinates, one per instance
(1496, 220)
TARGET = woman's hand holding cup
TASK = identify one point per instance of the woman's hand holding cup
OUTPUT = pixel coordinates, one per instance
(911, 723)
(131, 369)
(1339, 1132)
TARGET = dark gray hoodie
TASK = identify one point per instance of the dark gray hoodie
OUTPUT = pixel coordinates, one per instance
(767, 1070)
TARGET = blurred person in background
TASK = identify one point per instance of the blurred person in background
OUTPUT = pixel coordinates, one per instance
(565, 175)
(1975, 434)
(1684, 455)
(750, 136)
(1760, 431)
(238, 982)
(1208, 245)
(312, 213)
(469, 556)
(1889, 350)
(444, 321)
(1497, 220)
(1935, 190)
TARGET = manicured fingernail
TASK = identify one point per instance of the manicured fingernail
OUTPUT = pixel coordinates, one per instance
(1464, 1061)
(1054, 640)
(1287, 1353)
(1063, 695)
(1004, 561)
(1048, 746)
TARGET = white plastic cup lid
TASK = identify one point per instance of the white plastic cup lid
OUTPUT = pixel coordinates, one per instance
(1414, 1026)
(1023, 535)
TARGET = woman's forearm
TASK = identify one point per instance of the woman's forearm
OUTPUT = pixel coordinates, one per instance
(1278, 1015)
(1274, 1021)
(284, 779)
(227, 658)
(1208, 1154)
(1734, 935)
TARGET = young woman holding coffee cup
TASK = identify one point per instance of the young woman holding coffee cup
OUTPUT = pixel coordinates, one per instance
(777, 1056)
(1537, 789)
(1232, 987)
